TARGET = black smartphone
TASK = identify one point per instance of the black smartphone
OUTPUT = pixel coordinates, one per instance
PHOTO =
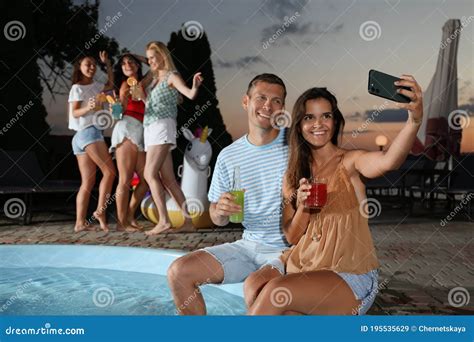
(382, 85)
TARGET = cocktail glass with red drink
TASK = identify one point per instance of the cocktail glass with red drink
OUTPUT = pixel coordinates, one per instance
(318, 194)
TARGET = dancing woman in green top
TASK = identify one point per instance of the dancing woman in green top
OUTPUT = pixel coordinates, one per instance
(160, 131)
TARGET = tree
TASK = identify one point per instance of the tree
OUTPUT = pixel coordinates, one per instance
(191, 56)
(41, 40)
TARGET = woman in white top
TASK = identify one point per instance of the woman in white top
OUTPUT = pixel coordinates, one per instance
(88, 143)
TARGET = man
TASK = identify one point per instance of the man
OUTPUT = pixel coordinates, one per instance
(262, 157)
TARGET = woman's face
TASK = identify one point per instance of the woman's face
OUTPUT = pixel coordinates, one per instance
(88, 67)
(129, 67)
(318, 125)
(155, 61)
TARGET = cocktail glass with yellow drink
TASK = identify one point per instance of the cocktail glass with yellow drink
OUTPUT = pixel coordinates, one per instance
(100, 99)
(238, 194)
(134, 91)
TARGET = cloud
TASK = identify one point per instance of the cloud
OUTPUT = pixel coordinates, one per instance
(289, 14)
(387, 115)
(300, 30)
(282, 8)
(396, 115)
(468, 107)
(357, 116)
(347, 132)
(243, 62)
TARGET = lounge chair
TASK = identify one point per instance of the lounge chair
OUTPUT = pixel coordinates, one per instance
(21, 174)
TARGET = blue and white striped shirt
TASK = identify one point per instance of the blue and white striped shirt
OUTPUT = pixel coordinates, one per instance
(261, 173)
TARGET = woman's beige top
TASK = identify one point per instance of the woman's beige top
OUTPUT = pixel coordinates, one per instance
(338, 237)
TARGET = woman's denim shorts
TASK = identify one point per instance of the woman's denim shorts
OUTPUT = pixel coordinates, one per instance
(85, 137)
(365, 288)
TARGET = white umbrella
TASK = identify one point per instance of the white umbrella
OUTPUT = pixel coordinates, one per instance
(441, 98)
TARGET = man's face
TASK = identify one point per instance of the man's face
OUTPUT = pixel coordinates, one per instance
(263, 100)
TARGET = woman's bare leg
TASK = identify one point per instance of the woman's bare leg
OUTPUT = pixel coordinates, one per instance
(126, 155)
(309, 293)
(155, 157)
(87, 168)
(256, 281)
(99, 153)
(169, 181)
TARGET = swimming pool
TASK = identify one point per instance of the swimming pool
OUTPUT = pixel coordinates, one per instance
(97, 280)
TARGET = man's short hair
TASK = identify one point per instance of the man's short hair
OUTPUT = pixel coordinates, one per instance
(267, 78)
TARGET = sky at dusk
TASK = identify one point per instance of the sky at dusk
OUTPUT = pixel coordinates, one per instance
(323, 44)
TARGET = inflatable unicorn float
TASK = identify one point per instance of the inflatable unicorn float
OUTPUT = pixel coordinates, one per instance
(194, 173)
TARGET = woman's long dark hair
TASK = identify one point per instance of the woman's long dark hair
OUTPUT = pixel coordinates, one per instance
(119, 76)
(300, 157)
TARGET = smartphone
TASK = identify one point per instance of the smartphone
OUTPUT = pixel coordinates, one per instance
(382, 85)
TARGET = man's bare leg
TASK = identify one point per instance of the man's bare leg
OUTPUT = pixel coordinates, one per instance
(186, 274)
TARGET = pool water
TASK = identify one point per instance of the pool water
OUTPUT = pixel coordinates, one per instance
(87, 291)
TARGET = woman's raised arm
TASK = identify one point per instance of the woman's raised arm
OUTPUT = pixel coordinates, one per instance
(375, 164)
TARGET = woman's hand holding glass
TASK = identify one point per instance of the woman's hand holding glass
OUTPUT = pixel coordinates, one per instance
(302, 192)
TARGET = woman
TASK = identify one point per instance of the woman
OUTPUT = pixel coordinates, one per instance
(88, 142)
(160, 132)
(127, 141)
(332, 266)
